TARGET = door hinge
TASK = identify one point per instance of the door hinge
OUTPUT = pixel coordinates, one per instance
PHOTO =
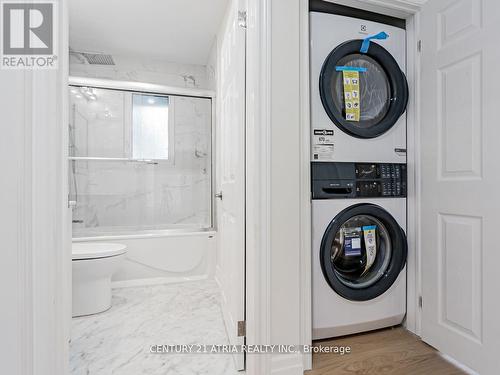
(71, 203)
(420, 301)
(242, 18)
(242, 328)
(419, 46)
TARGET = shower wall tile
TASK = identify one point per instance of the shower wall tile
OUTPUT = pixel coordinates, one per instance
(114, 196)
(150, 71)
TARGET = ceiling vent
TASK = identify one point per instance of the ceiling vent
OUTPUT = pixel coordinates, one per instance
(92, 58)
(98, 58)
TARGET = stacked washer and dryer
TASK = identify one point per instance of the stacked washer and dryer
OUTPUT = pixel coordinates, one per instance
(358, 170)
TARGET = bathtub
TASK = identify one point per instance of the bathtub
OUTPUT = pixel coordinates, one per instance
(160, 257)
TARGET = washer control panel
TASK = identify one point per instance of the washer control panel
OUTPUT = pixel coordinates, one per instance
(357, 180)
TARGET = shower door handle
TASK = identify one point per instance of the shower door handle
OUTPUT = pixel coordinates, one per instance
(218, 195)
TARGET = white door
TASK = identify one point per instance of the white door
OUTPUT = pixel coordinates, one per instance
(230, 271)
(460, 180)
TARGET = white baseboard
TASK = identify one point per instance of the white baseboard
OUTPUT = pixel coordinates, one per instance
(155, 281)
(287, 364)
(457, 364)
(307, 361)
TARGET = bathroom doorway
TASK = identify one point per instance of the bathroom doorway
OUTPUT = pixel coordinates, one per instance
(157, 170)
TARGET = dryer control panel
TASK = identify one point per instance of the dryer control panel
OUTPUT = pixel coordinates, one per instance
(357, 180)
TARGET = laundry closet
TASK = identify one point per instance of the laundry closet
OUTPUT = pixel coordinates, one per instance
(397, 156)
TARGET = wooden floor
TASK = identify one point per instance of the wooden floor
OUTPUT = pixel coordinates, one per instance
(391, 351)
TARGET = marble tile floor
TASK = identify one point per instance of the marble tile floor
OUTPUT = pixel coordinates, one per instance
(118, 341)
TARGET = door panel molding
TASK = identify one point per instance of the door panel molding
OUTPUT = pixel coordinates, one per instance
(460, 305)
(459, 175)
(460, 132)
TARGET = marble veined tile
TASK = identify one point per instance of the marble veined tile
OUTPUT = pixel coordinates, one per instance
(117, 342)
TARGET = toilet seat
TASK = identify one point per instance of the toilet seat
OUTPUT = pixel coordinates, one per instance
(96, 250)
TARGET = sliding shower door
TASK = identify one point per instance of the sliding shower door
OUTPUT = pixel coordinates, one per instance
(139, 162)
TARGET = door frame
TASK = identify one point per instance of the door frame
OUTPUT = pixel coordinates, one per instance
(40, 320)
(258, 180)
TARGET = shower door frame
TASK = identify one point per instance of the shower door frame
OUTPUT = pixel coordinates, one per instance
(150, 88)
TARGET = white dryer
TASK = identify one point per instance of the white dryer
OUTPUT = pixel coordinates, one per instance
(341, 44)
(359, 247)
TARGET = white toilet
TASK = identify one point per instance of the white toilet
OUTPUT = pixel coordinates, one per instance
(93, 265)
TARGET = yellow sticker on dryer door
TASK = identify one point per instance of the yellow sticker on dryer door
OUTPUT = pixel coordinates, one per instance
(351, 94)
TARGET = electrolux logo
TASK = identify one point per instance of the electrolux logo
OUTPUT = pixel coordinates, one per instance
(29, 34)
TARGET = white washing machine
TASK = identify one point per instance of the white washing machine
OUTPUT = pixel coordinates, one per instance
(359, 247)
(359, 90)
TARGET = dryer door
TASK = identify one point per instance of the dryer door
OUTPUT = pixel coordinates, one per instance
(382, 89)
(362, 252)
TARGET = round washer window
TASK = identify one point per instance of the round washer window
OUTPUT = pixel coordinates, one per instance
(360, 271)
(357, 272)
(383, 89)
(374, 94)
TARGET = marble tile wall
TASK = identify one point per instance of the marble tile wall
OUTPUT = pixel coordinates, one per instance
(144, 70)
(114, 197)
(211, 68)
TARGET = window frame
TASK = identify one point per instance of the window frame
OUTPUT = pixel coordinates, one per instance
(129, 127)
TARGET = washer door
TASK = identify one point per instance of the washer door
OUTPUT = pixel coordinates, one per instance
(362, 252)
(383, 89)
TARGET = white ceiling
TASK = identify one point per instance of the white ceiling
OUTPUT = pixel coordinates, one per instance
(180, 31)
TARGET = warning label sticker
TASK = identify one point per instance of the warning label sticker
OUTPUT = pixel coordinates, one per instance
(351, 95)
(322, 144)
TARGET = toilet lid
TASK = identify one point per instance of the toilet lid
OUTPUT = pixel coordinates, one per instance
(93, 250)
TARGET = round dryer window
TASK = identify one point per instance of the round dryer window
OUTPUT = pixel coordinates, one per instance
(380, 88)
(362, 252)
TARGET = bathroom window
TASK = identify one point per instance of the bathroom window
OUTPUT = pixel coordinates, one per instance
(150, 127)
(125, 174)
